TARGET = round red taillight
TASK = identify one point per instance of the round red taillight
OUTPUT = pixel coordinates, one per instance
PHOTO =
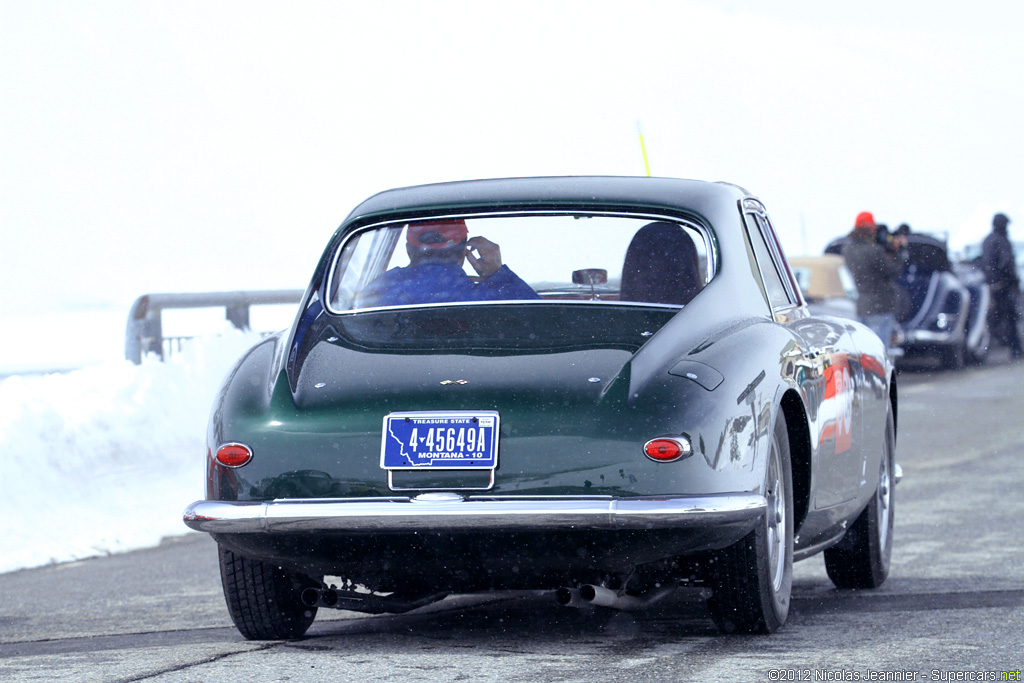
(233, 454)
(667, 448)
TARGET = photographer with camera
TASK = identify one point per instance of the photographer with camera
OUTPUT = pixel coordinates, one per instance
(893, 242)
(876, 258)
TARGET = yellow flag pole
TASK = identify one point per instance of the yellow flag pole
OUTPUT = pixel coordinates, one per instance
(643, 150)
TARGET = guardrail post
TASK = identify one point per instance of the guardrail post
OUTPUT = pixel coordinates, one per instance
(145, 331)
(238, 315)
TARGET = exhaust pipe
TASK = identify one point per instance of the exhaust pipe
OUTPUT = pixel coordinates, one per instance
(319, 597)
(569, 597)
(310, 597)
(599, 596)
(365, 602)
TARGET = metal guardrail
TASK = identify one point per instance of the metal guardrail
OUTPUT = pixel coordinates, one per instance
(144, 333)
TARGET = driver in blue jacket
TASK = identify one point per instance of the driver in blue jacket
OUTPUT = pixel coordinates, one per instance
(437, 251)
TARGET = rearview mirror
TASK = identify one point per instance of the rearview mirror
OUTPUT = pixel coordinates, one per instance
(590, 276)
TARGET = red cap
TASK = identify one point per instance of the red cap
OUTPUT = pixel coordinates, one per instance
(864, 220)
(437, 234)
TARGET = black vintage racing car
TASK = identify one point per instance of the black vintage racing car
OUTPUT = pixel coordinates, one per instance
(603, 387)
(943, 313)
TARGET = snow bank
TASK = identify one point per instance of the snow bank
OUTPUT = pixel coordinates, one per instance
(104, 459)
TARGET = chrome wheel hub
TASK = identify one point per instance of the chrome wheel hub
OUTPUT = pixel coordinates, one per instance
(884, 500)
(775, 518)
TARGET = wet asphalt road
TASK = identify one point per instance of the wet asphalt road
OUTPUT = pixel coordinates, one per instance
(953, 608)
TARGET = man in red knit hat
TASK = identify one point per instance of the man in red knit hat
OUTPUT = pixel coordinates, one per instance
(874, 269)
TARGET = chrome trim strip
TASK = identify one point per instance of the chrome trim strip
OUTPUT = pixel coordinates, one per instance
(474, 513)
(928, 336)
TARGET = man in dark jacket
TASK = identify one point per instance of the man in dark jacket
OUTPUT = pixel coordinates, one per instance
(875, 268)
(997, 260)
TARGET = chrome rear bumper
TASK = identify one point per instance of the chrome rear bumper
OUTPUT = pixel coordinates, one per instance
(452, 512)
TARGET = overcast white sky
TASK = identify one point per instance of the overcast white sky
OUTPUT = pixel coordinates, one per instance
(190, 146)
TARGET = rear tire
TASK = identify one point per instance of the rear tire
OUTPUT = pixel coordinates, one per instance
(862, 558)
(263, 599)
(753, 579)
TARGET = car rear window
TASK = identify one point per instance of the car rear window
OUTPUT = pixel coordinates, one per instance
(570, 258)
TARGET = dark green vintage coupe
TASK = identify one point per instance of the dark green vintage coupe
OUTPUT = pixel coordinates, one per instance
(603, 387)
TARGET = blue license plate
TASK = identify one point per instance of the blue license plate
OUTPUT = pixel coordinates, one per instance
(440, 439)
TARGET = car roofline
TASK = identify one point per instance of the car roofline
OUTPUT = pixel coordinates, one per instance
(557, 193)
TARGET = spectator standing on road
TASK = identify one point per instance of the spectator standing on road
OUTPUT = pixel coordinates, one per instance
(875, 267)
(1000, 266)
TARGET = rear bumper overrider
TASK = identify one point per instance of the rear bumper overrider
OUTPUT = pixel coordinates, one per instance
(453, 512)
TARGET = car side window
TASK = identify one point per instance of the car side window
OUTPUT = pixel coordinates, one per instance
(774, 285)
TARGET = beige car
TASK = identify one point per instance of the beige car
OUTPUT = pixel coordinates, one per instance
(828, 287)
(826, 284)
